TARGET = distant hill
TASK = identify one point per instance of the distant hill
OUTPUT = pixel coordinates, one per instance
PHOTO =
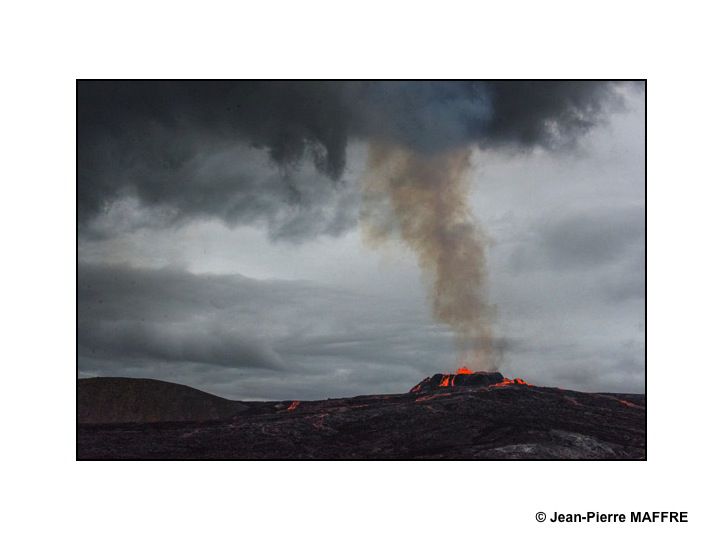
(113, 400)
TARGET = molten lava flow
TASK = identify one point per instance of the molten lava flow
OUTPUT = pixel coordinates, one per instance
(431, 396)
(448, 380)
(630, 404)
(509, 382)
(293, 406)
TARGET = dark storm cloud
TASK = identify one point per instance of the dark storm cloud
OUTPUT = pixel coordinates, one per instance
(181, 147)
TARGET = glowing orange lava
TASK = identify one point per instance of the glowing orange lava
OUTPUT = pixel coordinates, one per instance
(293, 406)
(431, 396)
(449, 380)
(508, 382)
(630, 404)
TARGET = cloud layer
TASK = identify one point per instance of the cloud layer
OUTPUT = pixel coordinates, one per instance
(185, 148)
(168, 322)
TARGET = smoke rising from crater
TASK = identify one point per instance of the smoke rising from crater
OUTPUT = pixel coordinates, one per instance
(424, 200)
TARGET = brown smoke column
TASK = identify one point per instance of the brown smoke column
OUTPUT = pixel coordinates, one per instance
(425, 199)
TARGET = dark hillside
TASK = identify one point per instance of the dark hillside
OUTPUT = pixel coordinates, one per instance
(112, 400)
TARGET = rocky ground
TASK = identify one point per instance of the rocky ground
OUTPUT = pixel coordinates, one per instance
(486, 417)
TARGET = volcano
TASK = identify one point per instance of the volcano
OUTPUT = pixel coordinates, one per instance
(462, 415)
(463, 377)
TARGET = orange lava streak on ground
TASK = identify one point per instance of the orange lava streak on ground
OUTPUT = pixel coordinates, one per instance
(630, 404)
(431, 396)
(509, 382)
(293, 406)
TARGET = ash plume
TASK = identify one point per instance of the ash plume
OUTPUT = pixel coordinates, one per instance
(425, 198)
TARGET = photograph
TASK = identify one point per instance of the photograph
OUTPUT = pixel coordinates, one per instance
(333, 271)
(361, 269)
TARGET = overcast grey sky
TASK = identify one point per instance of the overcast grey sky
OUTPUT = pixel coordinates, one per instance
(209, 257)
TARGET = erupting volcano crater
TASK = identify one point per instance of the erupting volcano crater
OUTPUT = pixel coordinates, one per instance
(464, 377)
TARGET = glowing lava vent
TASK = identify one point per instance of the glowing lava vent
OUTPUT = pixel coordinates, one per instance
(510, 382)
(463, 377)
